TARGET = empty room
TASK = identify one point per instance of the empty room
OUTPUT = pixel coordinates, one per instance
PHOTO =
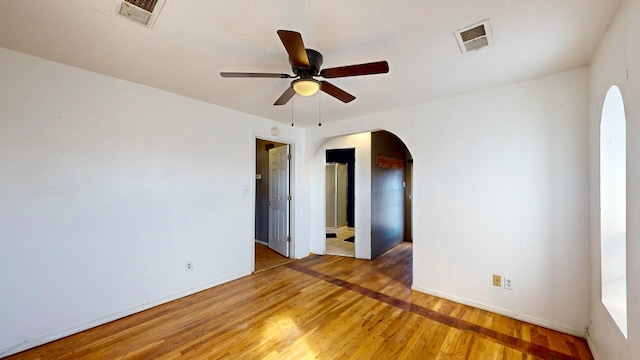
(163, 179)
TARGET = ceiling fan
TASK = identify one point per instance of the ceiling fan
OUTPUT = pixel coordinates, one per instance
(306, 64)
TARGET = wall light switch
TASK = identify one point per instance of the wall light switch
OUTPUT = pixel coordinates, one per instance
(497, 280)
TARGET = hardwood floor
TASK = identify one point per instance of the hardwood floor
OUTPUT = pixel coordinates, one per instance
(266, 258)
(321, 307)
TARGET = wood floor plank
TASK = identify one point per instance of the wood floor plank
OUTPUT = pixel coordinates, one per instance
(463, 346)
(322, 307)
(266, 258)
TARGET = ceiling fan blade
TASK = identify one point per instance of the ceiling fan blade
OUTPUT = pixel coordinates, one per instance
(292, 42)
(380, 67)
(253, 75)
(336, 92)
(285, 97)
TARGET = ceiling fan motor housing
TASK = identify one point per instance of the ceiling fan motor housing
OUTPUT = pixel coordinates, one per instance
(315, 62)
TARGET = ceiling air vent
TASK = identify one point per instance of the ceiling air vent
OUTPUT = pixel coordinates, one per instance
(143, 12)
(474, 37)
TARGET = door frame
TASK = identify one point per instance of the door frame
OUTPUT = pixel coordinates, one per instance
(292, 188)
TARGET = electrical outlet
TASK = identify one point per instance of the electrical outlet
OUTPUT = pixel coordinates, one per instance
(508, 283)
(188, 266)
(497, 280)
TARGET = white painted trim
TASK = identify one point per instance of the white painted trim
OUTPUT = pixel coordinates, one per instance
(28, 344)
(500, 311)
(262, 242)
(592, 347)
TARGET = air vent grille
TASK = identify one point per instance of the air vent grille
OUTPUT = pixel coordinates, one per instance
(474, 37)
(147, 5)
(473, 33)
(143, 12)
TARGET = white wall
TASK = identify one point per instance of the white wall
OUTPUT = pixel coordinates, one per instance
(617, 62)
(107, 188)
(500, 187)
(362, 207)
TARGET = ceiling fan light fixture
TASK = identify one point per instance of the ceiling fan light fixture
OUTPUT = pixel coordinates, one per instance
(306, 87)
(305, 64)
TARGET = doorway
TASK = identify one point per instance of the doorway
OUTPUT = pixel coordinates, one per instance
(408, 199)
(340, 202)
(383, 180)
(272, 204)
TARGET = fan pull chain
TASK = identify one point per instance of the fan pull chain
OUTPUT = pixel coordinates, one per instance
(319, 109)
(291, 112)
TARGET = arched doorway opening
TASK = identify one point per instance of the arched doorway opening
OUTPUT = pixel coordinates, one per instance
(382, 195)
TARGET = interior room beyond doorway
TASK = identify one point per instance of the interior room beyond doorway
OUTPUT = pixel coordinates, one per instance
(340, 200)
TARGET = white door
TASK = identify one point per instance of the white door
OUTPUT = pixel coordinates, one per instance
(279, 200)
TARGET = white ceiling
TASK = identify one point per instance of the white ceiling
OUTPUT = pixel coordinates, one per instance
(193, 40)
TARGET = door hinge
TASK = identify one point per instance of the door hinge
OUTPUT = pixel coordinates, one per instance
(289, 197)
(289, 156)
(288, 238)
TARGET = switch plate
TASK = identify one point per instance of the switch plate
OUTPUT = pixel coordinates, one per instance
(497, 280)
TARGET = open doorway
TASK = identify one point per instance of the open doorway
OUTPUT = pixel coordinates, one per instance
(408, 199)
(383, 198)
(340, 207)
(272, 204)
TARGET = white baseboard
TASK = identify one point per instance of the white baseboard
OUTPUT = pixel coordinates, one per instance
(497, 310)
(28, 344)
(262, 242)
(592, 347)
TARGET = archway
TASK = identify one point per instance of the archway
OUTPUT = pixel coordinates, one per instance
(381, 191)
